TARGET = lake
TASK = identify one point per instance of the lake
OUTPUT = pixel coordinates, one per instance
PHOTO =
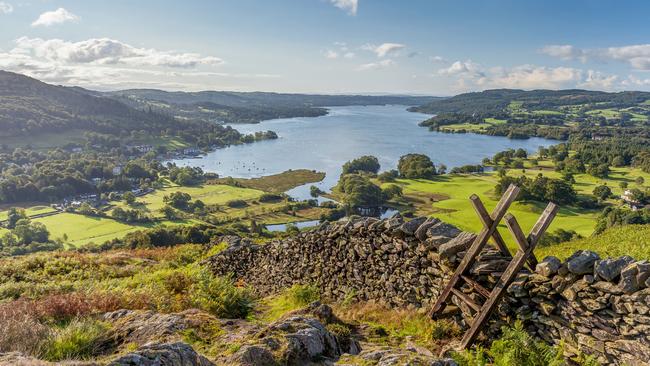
(325, 143)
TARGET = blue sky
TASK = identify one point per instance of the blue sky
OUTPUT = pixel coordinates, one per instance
(435, 47)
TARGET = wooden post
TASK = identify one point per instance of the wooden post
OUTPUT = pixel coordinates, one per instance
(479, 243)
(526, 247)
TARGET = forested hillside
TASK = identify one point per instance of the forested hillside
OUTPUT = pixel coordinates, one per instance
(28, 107)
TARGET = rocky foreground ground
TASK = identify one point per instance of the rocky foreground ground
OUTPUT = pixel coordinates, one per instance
(311, 336)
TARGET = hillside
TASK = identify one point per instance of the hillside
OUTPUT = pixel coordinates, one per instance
(29, 106)
(252, 107)
(498, 100)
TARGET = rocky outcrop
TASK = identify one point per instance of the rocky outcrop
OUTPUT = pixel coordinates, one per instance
(597, 306)
(301, 338)
(177, 354)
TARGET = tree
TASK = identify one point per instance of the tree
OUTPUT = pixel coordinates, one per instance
(392, 191)
(359, 191)
(27, 232)
(169, 212)
(388, 176)
(639, 181)
(602, 192)
(129, 198)
(366, 163)
(623, 185)
(14, 215)
(416, 166)
(178, 200)
(315, 191)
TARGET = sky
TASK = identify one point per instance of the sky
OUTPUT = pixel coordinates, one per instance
(424, 47)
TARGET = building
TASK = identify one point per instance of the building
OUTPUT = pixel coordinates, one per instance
(117, 170)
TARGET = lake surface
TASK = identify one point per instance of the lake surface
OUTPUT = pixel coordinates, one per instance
(325, 143)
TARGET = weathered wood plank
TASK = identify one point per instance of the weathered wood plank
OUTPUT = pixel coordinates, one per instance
(480, 241)
(517, 263)
(476, 286)
(461, 295)
(487, 222)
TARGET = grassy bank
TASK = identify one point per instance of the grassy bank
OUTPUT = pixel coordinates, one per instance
(277, 183)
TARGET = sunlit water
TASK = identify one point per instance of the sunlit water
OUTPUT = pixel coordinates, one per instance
(325, 143)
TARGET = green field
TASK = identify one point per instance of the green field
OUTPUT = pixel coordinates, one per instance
(210, 194)
(29, 211)
(632, 240)
(278, 183)
(447, 198)
(82, 230)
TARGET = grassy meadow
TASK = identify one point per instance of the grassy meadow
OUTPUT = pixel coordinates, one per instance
(447, 197)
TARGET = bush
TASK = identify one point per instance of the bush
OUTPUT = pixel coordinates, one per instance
(236, 204)
(80, 339)
(366, 163)
(515, 347)
(21, 331)
(416, 166)
(220, 297)
(388, 176)
(270, 197)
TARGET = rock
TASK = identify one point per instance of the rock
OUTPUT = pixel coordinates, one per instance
(19, 359)
(443, 229)
(458, 244)
(421, 232)
(253, 355)
(582, 262)
(176, 354)
(548, 266)
(410, 227)
(609, 269)
(140, 327)
(634, 276)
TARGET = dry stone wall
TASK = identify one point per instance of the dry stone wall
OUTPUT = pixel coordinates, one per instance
(595, 306)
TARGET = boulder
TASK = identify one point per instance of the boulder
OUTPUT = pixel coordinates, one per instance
(582, 262)
(410, 227)
(252, 355)
(458, 244)
(634, 276)
(176, 354)
(442, 229)
(609, 269)
(548, 266)
(421, 232)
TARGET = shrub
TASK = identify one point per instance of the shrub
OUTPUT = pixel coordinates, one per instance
(303, 295)
(79, 339)
(366, 163)
(237, 204)
(270, 197)
(514, 347)
(416, 166)
(220, 297)
(21, 331)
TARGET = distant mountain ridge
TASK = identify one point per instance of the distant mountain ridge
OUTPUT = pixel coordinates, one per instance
(29, 106)
(497, 100)
(245, 99)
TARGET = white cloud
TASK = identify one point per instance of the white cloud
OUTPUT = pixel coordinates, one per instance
(438, 59)
(331, 54)
(565, 52)
(350, 6)
(635, 82)
(597, 80)
(384, 49)
(637, 56)
(107, 51)
(6, 8)
(376, 65)
(471, 76)
(57, 16)
(340, 50)
(533, 77)
(110, 64)
(464, 68)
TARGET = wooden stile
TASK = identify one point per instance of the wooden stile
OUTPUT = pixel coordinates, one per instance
(523, 256)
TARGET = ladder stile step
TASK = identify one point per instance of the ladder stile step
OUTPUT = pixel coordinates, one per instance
(463, 296)
(476, 286)
(524, 255)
